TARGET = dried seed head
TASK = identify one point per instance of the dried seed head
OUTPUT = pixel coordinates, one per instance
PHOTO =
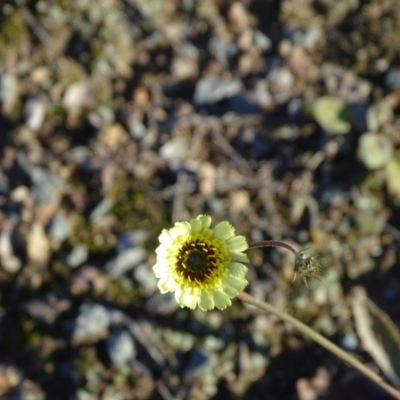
(307, 267)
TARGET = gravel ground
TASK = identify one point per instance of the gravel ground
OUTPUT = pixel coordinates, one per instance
(120, 117)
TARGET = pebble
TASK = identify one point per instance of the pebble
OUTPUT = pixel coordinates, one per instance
(101, 209)
(144, 275)
(121, 347)
(125, 261)
(101, 116)
(59, 228)
(224, 51)
(47, 187)
(38, 247)
(185, 65)
(9, 93)
(78, 255)
(77, 96)
(137, 129)
(211, 89)
(175, 150)
(35, 112)
(392, 79)
(262, 41)
(9, 262)
(132, 238)
(91, 324)
(307, 38)
(349, 341)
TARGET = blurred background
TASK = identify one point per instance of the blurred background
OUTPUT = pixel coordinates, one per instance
(120, 117)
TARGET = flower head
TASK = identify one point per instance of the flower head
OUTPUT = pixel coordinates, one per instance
(307, 267)
(203, 266)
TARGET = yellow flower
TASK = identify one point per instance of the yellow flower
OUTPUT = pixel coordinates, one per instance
(203, 266)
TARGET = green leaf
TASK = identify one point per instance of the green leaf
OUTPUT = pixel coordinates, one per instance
(375, 150)
(332, 114)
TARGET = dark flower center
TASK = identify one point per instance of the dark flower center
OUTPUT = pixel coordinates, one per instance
(197, 261)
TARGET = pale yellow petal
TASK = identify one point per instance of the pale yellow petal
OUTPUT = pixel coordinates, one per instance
(177, 295)
(237, 269)
(236, 256)
(235, 283)
(160, 270)
(237, 243)
(167, 285)
(165, 238)
(231, 292)
(187, 299)
(196, 225)
(224, 230)
(221, 300)
(180, 229)
(205, 221)
(206, 301)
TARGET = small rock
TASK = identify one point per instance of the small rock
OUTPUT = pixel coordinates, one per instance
(35, 112)
(121, 348)
(78, 95)
(10, 382)
(38, 247)
(9, 93)
(137, 129)
(77, 256)
(101, 209)
(302, 65)
(47, 187)
(125, 260)
(132, 239)
(224, 50)
(281, 83)
(185, 64)
(59, 228)
(114, 136)
(349, 342)
(307, 38)
(211, 89)
(392, 79)
(101, 116)
(175, 150)
(48, 309)
(262, 41)
(9, 262)
(91, 324)
(238, 16)
(141, 96)
(144, 275)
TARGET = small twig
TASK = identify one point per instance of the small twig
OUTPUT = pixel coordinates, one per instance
(316, 337)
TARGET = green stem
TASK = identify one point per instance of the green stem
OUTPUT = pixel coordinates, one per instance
(327, 344)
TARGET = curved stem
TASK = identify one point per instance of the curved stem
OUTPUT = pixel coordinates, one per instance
(273, 243)
(327, 344)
